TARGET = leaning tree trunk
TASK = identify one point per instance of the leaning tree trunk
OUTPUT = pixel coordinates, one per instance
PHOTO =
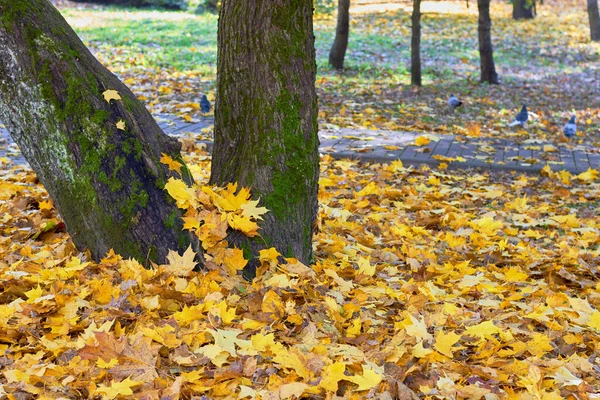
(523, 9)
(592, 7)
(266, 118)
(486, 52)
(106, 183)
(415, 45)
(340, 43)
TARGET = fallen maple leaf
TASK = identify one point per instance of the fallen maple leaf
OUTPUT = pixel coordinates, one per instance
(111, 95)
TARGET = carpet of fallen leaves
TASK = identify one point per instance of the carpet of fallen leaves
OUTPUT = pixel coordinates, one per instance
(424, 283)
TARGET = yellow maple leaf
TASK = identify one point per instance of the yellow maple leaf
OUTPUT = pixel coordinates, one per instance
(244, 224)
(421, 352)
(45, 205)
(422, 141)
(181, 265)
(565, 177)
(183, 195)
(474, 130)
(487, 225)
(116, 389)
(369, 379)
(111, 95)
(191, 223)
(514, 274)
(594, 321)
(331, 375)
(234, 260)
(272, 303)
(34, 293)
(294, 389)
(483, 330)
(588, 176)
(365, 267)
(250, 210)
(539, 345)
(227, 199)
(269, 255)
(121, 125)
(217, 355)
(225, 313)
(444, 343)
(355, 327)
(169, 162)
(569, 220)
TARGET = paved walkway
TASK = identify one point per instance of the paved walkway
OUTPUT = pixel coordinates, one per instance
(387, 146)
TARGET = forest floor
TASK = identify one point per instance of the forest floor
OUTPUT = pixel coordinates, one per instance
(426, 282)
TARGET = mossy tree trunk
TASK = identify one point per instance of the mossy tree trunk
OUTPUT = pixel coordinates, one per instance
(340, 43)
(486, 50)
(266, 118)
(594, 15)
(415, 45)
(106, 183)
(523, 9)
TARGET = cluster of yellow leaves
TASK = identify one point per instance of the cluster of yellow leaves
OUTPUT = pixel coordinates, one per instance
(457, 285)
(211, 212)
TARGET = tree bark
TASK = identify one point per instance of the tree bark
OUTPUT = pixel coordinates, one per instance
(266, 118)
(340, 43)
(106, 183)
(594, 15)
(523, 9)
(486, 51)
(415, 45)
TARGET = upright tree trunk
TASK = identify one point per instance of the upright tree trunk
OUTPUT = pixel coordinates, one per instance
(266, 117)
(340, 43)
(523, 9)
(486, 52)
(415, 45)
(592, 7)
(106, 183)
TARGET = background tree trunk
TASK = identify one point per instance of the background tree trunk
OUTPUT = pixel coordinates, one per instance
(106, 183)
(486, 51)
(266, 118)
(415, 45)
(594, 15)
(340, 43)
(523, 9)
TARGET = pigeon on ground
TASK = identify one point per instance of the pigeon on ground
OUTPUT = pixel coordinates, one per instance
(453, 102)
(204, 104)
(570, 128)
(521, 117)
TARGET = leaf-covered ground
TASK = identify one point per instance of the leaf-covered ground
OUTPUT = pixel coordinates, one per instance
(169, 59)
(457, 286)
(426, 282)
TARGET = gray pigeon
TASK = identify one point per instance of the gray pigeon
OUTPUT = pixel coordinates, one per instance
(204, 104)
(453, 102)
(521, 117)
(570, 128)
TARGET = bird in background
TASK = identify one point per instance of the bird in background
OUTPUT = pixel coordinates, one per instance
(521, 117)
(204, 104)
(454, 102)
(570, 128)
